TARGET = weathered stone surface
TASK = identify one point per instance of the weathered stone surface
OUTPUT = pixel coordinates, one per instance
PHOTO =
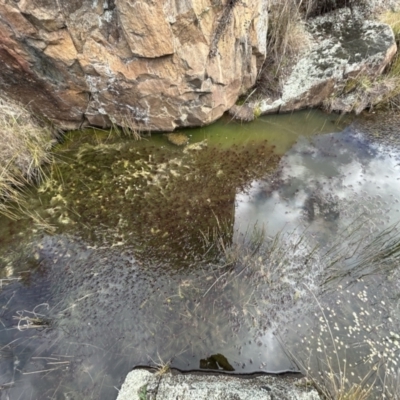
(142, 384)
(154, 65)
(344, 45)
(148, 34)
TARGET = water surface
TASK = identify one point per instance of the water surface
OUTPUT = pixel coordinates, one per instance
(145, 253)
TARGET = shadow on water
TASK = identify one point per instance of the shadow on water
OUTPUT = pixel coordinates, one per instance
(152, 257)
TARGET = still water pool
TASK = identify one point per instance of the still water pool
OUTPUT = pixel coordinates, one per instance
(238, 252)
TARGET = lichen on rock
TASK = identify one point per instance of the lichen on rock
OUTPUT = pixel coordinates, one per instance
(344, 44)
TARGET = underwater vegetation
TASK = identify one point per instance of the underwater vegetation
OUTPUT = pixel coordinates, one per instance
(154, 199)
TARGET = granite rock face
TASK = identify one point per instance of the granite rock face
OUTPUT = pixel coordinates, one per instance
(153, 65)
(142, 384)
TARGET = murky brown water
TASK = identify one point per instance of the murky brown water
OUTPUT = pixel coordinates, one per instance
(148, 253)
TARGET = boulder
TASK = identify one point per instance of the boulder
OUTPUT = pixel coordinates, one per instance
(153, 65)
(143, 385)
(343, 45)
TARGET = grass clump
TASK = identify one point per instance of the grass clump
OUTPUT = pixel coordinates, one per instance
(392, 99)
(127, 127)
(286, 39)
(162, 367)
(25, 146)
(393, 20)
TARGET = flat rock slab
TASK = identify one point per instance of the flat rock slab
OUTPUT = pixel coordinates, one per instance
(143, 385)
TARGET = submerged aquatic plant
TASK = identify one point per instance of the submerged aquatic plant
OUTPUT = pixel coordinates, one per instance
(161, 197)
(129, 203)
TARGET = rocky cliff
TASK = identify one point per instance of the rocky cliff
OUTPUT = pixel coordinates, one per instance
(152, 65)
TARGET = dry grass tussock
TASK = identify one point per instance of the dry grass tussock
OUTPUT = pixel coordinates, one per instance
(127, 127)
(393, 97)
(393, 19)
(25, 146)
(287, 38)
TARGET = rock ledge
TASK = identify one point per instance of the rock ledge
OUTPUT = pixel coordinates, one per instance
(141, 384)
(344, 45)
